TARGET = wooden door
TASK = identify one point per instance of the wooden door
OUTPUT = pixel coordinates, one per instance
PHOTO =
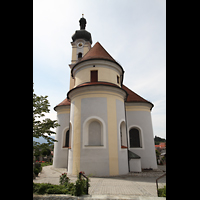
(94, 76)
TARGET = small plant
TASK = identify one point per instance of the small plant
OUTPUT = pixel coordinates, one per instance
(64, 180)
(162, 192)
(37, 168)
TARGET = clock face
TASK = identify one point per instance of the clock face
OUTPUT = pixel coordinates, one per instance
(80, 44)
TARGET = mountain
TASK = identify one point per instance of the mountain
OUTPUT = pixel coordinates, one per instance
(42, 140)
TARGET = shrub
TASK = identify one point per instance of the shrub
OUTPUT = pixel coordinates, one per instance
(36, 171)
(37, 168)
(64, 180)
(81, 187)
(162, 192)
(65, 187)
(47, 188)
(71, 188)
(57, 189)
(40, 188)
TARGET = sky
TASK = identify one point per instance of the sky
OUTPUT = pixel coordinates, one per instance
(133, 32)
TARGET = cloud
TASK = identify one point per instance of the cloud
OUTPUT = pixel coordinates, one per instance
(133, 32)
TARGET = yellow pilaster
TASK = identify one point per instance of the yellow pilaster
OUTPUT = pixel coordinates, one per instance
(112, 136)
(77, 136)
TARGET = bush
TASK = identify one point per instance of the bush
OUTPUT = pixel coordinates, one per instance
(81, 187)
(40, 188)
(65, 187)
(37, 168)
(36, 171)
(57, 189)
(47, 188)
(64, 180)
(162, 192)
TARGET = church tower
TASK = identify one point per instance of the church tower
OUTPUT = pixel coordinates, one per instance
(105, 128)
(81, 44)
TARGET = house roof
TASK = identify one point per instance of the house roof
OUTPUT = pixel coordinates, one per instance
(65, 102)
(101, 83)
(97, 52)
(160, 145)
(131, 97)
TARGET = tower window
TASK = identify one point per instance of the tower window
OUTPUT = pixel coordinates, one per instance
(118, 79)
(79, 55)
(94, 76)
(134, 137)
(67, 139)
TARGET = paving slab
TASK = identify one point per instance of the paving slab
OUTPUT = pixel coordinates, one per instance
(137, 185)
(93, 197)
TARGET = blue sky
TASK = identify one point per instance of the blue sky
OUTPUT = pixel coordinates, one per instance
(132, 31)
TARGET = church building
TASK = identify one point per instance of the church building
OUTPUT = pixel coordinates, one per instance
(105, 128)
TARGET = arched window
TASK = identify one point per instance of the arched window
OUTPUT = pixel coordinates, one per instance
(134, 137)
(67, 139)
(94, 133)
(79, 55)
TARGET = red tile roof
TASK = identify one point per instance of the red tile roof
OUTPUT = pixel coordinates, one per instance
(65, 102)
(98, 83)
(96, 52)
(132, 96)
(161, 145)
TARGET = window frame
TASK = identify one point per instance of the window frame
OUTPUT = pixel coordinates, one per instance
(85, 138)
(140, 137)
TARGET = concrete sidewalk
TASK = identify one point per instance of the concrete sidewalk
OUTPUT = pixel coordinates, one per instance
(135, 184)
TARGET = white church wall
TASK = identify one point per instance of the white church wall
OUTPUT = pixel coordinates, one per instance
(107, 72)
(94, 159)
(142, 120)
(60, 153)
(122, 153)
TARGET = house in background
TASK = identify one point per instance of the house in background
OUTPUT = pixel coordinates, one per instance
(105, 128)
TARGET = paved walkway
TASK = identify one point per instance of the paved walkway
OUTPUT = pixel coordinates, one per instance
(137, 184)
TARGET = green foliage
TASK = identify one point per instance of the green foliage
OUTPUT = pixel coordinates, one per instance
(47, 188)
(157, 140)
(40, 127)
(36, 171)
(162, 192)
(71, 188)
(37, 168)
(45, 152)
(65, 187)
(64, 180)
(80, 187)
(46, 164)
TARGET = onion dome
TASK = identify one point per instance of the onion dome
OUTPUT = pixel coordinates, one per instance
(82, 33)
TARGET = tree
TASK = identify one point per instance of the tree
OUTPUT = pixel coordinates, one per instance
(41, 127)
